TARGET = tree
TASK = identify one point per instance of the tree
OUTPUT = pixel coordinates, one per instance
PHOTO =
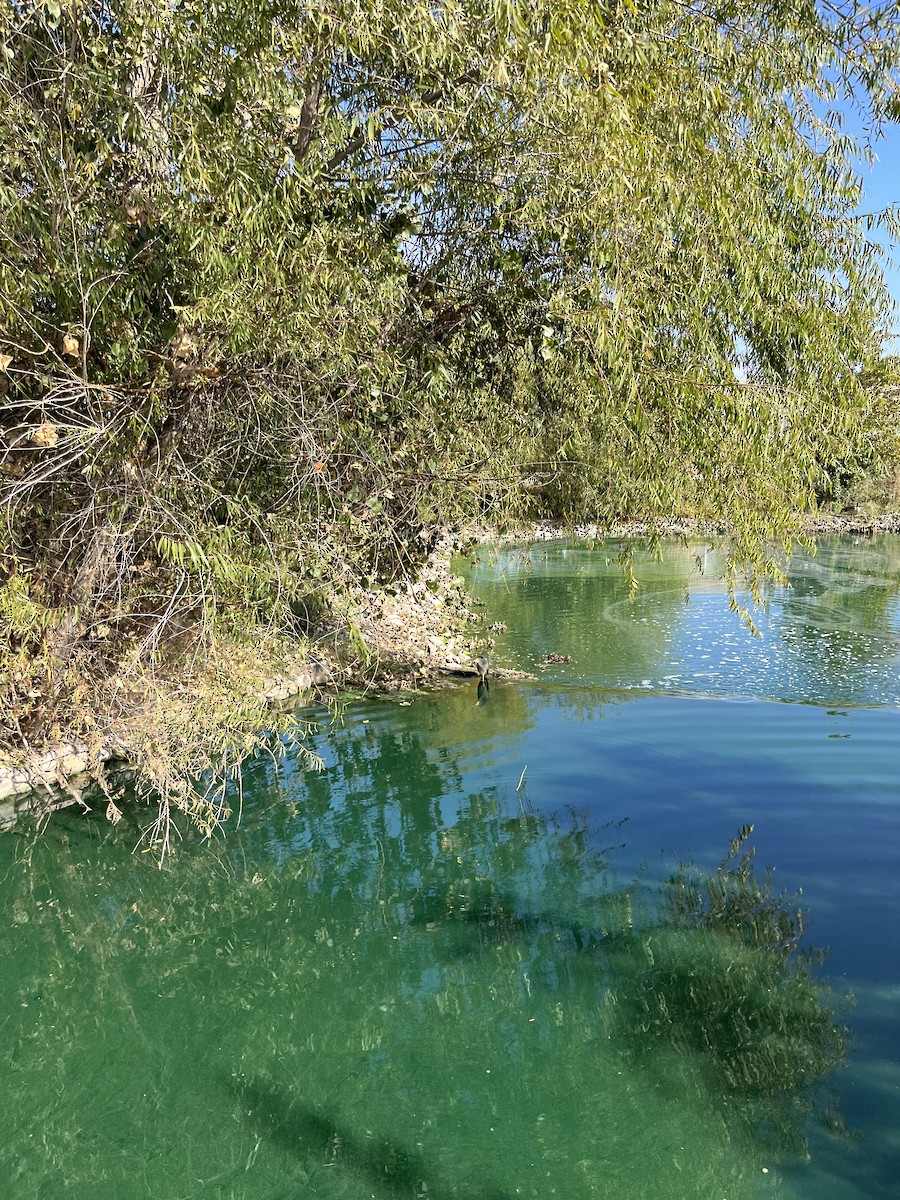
(281, 284)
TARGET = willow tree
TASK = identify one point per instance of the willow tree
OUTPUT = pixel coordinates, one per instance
(284, 282)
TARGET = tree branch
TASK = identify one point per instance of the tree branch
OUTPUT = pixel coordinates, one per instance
(359, 139)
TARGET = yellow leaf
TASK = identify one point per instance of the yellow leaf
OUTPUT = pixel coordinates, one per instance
(70, 346)
(45, 435)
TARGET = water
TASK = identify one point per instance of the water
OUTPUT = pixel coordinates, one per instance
(446, 967)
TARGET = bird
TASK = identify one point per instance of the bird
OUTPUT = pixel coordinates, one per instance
(482, 666)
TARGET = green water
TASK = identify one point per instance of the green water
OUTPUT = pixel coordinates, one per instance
(448, 966)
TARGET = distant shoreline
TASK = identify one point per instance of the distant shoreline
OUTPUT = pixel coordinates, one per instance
(813, 524)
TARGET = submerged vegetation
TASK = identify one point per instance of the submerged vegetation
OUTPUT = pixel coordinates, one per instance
(284, 289)
(726, 979)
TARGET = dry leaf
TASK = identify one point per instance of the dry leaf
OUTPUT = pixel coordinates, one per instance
(70, 346)
(5, 360)
(182, 345)
(45, 435)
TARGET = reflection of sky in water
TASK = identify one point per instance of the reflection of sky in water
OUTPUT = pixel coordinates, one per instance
(793, 659)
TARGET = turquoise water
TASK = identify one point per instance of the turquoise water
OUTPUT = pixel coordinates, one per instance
(450, 964)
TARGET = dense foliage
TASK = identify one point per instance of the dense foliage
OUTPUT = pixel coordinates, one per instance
(285, 283)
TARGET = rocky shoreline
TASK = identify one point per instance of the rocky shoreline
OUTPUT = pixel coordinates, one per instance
(422, 633)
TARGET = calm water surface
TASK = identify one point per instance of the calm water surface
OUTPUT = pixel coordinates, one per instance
(449, 965)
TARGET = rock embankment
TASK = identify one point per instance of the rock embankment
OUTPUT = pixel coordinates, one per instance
(418, 633)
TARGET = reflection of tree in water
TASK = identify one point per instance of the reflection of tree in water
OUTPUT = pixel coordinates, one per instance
(472, 1006)
(577, 602)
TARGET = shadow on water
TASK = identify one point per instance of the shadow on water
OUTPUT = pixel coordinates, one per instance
(317, 1140)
